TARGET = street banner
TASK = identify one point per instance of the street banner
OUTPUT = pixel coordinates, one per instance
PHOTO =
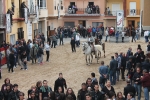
(26, 15)
(8, 23)
(119, 19)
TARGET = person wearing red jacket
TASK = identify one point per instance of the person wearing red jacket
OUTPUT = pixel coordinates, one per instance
(146, 83)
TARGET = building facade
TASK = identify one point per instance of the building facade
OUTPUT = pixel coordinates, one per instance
(2, 21)
(111, 8)
(132, 13)
(81, 12)
(145, 13)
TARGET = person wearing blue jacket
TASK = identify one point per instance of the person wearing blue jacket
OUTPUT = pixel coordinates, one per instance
(94, 31)
(117, 36)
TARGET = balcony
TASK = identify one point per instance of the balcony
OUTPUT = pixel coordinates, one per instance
(110, 14)
(133, 12)
(43, 13)
(81, 12)
(2, 21)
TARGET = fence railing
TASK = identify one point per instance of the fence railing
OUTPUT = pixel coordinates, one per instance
(110, 13)
(133, 12)
(82, 11)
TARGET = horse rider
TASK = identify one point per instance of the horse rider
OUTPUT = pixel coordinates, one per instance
(91, 42)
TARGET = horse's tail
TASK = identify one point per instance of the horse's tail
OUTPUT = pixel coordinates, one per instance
(99, 48)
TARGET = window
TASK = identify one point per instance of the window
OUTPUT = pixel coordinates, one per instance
(42, 4)
(91, 3)
(12, 39)
(132, 8)
(20, 33)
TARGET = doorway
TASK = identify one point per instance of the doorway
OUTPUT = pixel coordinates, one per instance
(91, 3)
(131, 23)
(72, 3)
(82, 23)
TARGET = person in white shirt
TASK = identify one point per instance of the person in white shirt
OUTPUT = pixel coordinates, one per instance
(123, 33)
(106, 33)
(78, 40)
(146, 34)
(47, 48)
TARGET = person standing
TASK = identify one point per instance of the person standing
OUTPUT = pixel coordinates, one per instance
(44, 90)
(117, 36)
(118, 59)
(61, 36)
(133, 33)
(145, 79)
(146, 34)
(137, 83)
(54, 40)
(7, 55)
(129, 88)
(40, 55)
(103, 70)
(14, 94)
(24, 60)
(47, 48)
(33, 54)
(78, 40)
(106, 34)
(60, 82)
(82, 92)
(123, 33)
(123, 66)
(11, 61)
(113, 69)
(96, 94)
(73, 44)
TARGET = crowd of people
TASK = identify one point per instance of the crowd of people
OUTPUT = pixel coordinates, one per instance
(91, 9)
(137, 66)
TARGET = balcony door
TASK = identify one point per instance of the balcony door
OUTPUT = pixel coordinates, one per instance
(115, 8)
(132, 10)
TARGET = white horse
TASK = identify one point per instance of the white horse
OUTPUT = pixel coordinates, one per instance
(88, 51)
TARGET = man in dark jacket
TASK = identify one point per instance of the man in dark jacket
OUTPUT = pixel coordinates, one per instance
(138, 55)
(133, 33)
(123, 65)
(137, 83)
(1, 96)
(60, 82)
(73, 44)
(113, 69)
(129, 88)
(14, 95)
(96, 94)
(82, 92)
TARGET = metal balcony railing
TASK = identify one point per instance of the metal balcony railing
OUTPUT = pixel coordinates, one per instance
(2, 20)
(110, 13)
(133, 12)
(82, 12)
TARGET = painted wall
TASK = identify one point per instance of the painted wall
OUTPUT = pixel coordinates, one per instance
(51, 7)
(16, 24)
(146, 12)
(110, 2)
(15, 31)
(137, 4)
